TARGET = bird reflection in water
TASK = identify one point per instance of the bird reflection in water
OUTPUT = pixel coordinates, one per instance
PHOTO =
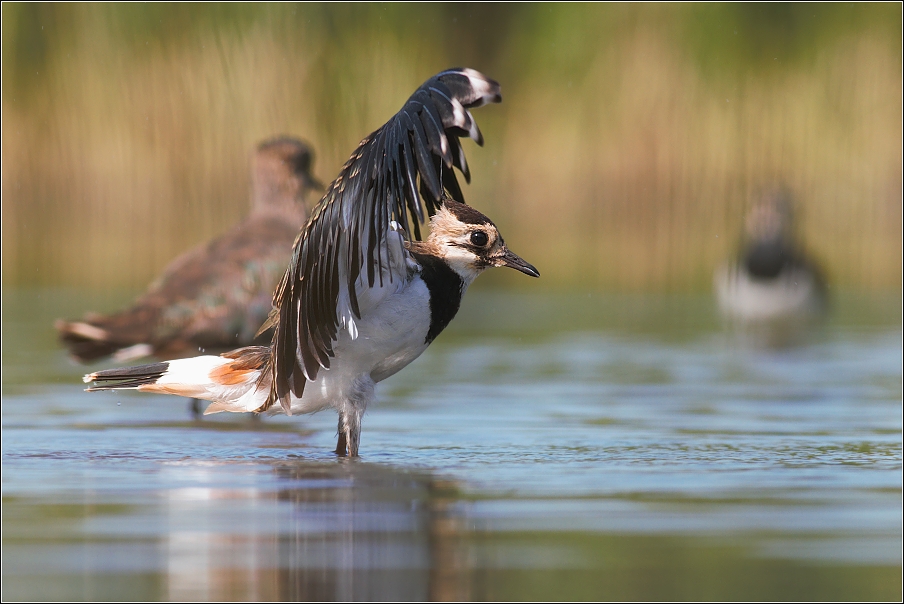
(343, 531)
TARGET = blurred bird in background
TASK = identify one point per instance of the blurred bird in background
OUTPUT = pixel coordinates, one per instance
(773, 278)
(217, 295)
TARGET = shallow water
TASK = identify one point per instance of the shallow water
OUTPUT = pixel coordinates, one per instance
(545, 447)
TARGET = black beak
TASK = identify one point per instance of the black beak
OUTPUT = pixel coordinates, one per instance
(512, 260)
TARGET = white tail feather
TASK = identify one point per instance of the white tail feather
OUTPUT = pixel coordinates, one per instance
(231, 382)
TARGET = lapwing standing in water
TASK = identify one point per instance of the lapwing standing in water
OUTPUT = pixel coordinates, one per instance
(773, 279)
(361, 298)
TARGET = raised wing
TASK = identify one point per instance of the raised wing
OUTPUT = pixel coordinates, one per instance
(395, 174)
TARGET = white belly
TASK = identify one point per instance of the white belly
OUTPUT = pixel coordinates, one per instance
(390, 335)
(739, 295)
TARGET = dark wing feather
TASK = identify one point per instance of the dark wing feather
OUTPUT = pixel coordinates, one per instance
(413, 152)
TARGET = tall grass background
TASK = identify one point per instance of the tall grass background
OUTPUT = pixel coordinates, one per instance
(629, 144)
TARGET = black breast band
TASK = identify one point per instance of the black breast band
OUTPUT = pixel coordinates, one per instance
(445, 287)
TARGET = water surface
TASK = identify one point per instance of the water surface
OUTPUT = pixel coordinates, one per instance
(546, 446)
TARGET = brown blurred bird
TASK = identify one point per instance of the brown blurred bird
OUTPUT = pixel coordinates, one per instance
(217, 295)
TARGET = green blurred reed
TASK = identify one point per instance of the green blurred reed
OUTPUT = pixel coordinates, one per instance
(630, 141)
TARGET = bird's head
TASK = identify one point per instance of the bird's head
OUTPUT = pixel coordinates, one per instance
(771, 217)
(282, 175)
(470, 243)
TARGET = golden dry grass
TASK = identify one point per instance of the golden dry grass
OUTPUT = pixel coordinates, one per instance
(616, 159)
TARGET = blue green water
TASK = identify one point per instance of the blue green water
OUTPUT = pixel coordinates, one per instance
(546, 446)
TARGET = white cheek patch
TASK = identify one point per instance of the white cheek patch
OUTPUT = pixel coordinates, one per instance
(462, 262)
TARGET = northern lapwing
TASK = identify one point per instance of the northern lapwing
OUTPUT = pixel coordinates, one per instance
(772, 278)
(363, 295)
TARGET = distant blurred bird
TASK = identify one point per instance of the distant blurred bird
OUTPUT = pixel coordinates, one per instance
(217, 295)
(772, 278)
(361, 299)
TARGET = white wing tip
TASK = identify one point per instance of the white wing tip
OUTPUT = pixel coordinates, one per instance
(480, 85)
(86, 330)
(133, 352)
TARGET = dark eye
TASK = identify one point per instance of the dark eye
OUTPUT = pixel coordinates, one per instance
(479, 238)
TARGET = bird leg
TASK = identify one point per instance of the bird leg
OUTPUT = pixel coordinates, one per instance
(342, 443)
(351, 412)
(349, 433)
(194, 408)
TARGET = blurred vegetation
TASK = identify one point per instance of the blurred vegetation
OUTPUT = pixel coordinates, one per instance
(630, 141)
